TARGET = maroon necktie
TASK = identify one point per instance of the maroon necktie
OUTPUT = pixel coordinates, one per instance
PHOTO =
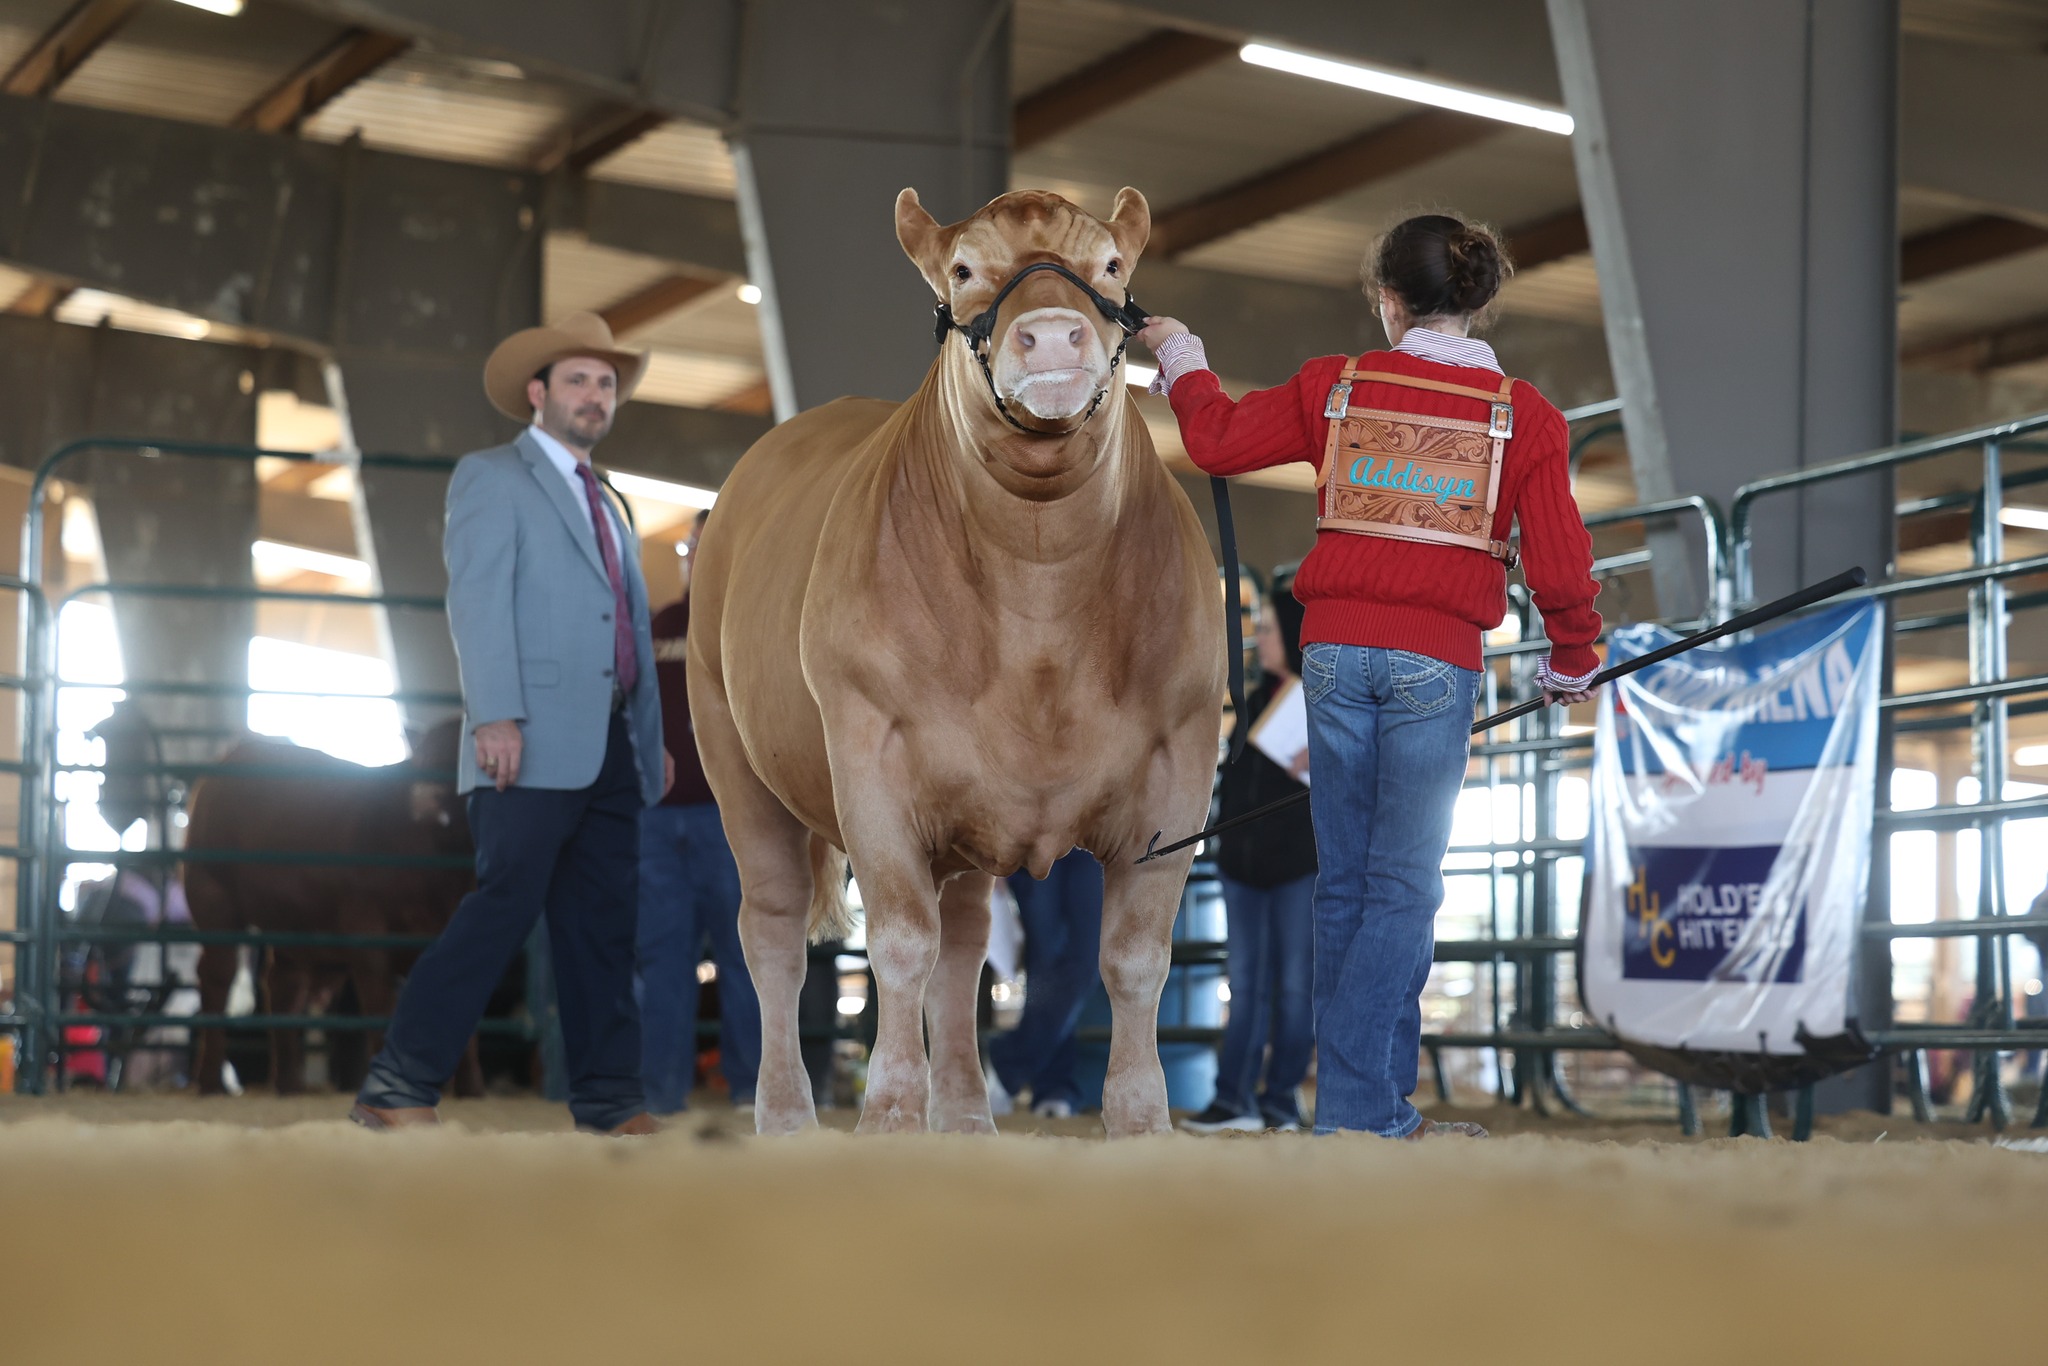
(625, 660)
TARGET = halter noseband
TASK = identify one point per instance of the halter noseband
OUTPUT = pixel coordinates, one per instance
(981, 328)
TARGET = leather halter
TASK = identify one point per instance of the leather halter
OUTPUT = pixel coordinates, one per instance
(980, 329)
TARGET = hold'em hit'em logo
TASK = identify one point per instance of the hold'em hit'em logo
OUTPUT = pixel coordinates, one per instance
(1688, 909)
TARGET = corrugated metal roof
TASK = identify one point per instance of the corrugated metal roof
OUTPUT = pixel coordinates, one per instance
(1973, 300)
(718, 324)
(24, 21)
(577, 275)
(1193, 136)
(174, 61)
(694, 381)
(1051, 39)
(1998, 23)
(676, 156)
(457, 108)
(12, 283)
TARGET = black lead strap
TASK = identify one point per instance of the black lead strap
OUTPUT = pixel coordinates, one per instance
(1233, 616)
(1748, 621)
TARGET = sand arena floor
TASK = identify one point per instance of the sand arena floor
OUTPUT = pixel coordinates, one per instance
(168, 1229)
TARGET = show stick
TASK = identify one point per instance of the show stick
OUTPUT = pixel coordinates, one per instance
(1748, 621)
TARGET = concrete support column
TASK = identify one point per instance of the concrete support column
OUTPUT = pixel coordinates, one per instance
(1738, 164)
(166, 519)
(841, 104)
(436, 263)
(1739, 167)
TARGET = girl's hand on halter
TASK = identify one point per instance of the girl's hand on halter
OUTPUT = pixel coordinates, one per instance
(1157, 330)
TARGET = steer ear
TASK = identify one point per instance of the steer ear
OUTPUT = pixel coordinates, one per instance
(1130, 223)
(924, 241)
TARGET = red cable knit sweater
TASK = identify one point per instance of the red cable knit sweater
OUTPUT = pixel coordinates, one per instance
(1403, 595)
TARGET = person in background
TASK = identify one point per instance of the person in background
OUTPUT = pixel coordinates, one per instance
(689, 900)
(1268, 871)
(1062, 919)
(1428, 461)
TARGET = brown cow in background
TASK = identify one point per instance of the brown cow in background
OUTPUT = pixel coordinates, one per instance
(337, 807)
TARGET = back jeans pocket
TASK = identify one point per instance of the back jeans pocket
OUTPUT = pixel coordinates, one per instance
(1319, 669)
(1425, 686)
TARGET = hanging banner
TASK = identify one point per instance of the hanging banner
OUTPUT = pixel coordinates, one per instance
(1729, 855)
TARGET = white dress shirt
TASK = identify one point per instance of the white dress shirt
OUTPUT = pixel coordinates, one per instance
(564, 460)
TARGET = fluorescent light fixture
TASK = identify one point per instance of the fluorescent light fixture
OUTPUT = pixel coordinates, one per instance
(2031, 756)
(852, 1005)
(1139, 376)
(1413, 88)
(278, 557)
(2033, 519)
(661, 491)
(215, 6)
(750, 293)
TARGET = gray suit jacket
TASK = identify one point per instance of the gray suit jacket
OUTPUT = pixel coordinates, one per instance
(530, 607)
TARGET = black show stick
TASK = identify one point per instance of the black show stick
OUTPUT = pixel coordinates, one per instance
(1748, 621)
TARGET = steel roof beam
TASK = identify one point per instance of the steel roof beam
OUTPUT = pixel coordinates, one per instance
(350, 58)
(596, 136)
(1157, 59)
(1355, 162)
(64, 48)
(1972, 242)
(1998, 348)
(654, 302)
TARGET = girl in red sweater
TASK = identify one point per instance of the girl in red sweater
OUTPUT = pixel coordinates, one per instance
(1427, 460)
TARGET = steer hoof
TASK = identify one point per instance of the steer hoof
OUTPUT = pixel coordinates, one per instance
(963, 1121)
(885, 1117)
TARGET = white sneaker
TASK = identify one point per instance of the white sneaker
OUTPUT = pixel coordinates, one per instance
(1053, 1109)
(1000, 1102)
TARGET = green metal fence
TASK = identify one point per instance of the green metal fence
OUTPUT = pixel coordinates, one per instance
(1526, 935)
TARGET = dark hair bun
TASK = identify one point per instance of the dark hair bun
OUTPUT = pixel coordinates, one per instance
(1439, 265)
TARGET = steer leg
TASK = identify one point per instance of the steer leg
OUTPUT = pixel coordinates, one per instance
(1139, 903)
(959, 1088)
(902, 902)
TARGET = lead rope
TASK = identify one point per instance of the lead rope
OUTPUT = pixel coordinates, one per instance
(1233, 614)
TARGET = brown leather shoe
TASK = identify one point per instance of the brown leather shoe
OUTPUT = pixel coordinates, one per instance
(407, 1117)
(1431, 1128)
(642, 1125)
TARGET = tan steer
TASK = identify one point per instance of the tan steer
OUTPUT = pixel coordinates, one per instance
(952, 638)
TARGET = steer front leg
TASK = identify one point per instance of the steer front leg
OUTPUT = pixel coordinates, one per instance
(903, 949)
(1139, 903)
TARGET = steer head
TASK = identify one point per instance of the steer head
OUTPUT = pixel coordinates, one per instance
(1048, 360)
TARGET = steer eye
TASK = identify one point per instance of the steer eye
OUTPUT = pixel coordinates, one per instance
(1114, 266)
(961, 272)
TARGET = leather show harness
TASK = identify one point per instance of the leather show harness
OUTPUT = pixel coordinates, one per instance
(1129, 318)
(980, 330)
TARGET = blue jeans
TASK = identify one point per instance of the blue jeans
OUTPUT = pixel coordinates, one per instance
(1270, 934)
(1062, 918)
(690, 900)
(1388, 735)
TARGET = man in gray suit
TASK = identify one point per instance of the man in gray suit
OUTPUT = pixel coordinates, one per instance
(562, 744)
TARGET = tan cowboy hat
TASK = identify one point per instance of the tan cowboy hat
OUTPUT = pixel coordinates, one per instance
(523, 355)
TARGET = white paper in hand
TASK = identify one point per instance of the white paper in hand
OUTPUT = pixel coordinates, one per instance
(1281, 734)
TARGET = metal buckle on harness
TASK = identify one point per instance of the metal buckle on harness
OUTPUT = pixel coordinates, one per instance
(1339, 401)
(1503, 424)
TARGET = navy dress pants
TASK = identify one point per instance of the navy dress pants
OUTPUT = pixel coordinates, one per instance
(574, 856)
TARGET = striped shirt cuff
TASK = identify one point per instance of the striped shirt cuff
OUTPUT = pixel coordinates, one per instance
(1556, 682)
(1180, 354)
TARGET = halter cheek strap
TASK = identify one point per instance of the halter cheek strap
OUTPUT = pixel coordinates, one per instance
(980, 330)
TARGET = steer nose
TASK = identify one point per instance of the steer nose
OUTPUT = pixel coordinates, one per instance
(1051, 339)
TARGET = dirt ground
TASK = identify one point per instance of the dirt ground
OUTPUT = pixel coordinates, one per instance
(169, 1229)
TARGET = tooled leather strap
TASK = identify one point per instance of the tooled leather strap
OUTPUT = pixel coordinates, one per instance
(1500, 427)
